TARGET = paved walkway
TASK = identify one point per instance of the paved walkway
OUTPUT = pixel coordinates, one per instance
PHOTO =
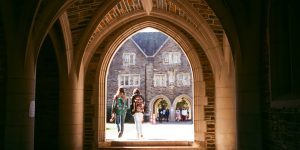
(166, 131)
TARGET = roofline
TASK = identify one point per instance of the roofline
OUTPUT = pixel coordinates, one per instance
(167, 39)
(138, 47)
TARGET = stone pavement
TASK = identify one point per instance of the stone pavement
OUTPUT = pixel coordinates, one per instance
(165, 131)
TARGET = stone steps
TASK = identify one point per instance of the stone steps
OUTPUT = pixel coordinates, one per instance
(153, 145)
(154, 148)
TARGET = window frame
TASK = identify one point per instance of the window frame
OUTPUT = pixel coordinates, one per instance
(130, 57)
(171, 58)
(162, 83)
(180, 79)
(129, 80)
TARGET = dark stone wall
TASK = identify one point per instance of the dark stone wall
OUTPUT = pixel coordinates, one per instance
(283, 124)
(2, 85)
(47, 99)
(282, 95)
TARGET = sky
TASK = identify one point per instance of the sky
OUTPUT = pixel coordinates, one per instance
(149, 29)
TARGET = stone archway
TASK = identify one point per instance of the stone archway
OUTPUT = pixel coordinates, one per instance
(190, 105)
(205, 74)
(153, 105)
(199, 84)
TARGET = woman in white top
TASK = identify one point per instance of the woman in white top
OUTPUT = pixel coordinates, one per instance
(138, 108)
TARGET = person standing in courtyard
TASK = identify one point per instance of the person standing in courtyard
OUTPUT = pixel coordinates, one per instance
(119, 109)
(138, 109)
(184, 114)
(160, 114)
(167, 114)
(177, 114)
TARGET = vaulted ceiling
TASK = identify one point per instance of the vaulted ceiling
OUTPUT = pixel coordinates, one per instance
(88, 18)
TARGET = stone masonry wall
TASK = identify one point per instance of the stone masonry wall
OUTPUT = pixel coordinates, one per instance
(281, 118)
(283, 124)
(116, 68)
(160, 68)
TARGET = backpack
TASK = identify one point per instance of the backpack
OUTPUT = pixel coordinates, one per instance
(131, 108)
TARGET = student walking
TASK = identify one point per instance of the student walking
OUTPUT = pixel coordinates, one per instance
(138, 108)
(119, 109)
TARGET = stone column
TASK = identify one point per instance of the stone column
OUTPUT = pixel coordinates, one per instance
(226, 129)
(71, 113)
(148, 87)
(200, 100)
(20, 93)
(172, 113)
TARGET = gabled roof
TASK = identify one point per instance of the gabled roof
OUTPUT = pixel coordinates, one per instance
(149, 42)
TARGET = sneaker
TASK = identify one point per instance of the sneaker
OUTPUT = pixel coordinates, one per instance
(120, 134)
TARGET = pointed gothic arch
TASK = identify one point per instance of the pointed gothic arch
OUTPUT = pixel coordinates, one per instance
(190, 102)
(200, 87)
(207, 62)
(155, 100)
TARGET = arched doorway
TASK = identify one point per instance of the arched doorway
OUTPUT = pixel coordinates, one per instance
(159, 105)
(183, 102)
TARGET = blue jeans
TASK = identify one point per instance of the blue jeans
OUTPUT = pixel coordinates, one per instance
(120, 120)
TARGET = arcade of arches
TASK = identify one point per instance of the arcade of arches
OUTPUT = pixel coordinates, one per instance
(54, 57)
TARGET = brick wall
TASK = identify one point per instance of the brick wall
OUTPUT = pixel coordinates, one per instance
(127, 6)
(120, 9)
(210, 17)
(209, 107)
(79, 15)
(91, 118)
(283, 126)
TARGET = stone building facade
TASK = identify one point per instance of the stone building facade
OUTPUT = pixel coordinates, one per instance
(156, 64)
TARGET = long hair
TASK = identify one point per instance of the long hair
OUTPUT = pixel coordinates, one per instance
(119, 91)
(136, 91)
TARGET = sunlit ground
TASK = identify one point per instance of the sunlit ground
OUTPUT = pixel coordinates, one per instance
(166, 131)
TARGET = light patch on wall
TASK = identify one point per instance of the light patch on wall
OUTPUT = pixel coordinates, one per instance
(32, 109)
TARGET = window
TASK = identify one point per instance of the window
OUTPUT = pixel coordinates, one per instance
(128, 59)
(160, 80)
(129, 80)
(171, 75)
(171, 57)
(183, 79)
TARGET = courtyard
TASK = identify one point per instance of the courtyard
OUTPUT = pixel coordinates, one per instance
(165, 131)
